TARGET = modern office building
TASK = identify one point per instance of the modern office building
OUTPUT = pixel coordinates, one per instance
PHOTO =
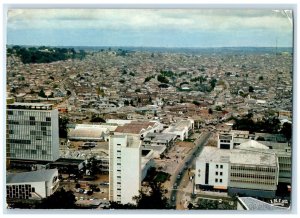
(124, 168)
(242, 172)
(31, 185)
(32, 132)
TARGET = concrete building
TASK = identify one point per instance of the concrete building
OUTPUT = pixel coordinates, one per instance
(242, 172)
(182, 129)
(87, 132)
(32, 132)
(249, 203)
(124, 168)
(159, 141)
(32, 185)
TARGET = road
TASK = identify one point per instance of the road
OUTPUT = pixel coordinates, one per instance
(187, 163)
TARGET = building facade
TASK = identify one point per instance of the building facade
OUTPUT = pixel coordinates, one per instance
(124, 168)
(32, 132)
(240, 172)
(32, 185)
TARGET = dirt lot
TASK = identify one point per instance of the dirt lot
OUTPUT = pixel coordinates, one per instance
(103, 194)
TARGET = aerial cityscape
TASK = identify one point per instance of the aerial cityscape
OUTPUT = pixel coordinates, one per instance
(169, 109)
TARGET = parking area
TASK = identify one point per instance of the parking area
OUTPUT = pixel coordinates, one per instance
(96, 189)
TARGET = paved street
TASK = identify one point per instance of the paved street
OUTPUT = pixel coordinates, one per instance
(180, 177)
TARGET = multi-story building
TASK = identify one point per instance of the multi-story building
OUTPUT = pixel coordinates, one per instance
(32, 132)
(124, 168)
(242, 172)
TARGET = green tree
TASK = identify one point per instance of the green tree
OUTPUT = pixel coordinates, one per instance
(162, 79)
(63, 130)
(218, 108)
(61, 199)
(287, 130)
(154, 200)
(251, 89)
(42, 93)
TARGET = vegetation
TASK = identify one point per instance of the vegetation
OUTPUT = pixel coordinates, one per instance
(167, 73)
(218, 108)
(147, 79)
(45, 54)
(162, 79)
(269, 125)
(206, 204)
(59, 200)
(251, 89)
(63, 130)
(287, 131)
(97, 119)
(154, 200)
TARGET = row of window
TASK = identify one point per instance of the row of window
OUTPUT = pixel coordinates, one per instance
(26, 122)
(217, 180)
(226, 141)
(259, 169)
(221, 166)
(263, 182)
(217, 173)
(19, 141)
(243, 175)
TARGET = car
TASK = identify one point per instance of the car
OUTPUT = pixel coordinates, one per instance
(104, 183)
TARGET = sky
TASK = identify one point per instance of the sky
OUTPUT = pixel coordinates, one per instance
(150, 27)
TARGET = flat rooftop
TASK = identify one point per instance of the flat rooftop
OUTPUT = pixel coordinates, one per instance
(237, 156)
(32, 176)
(29, 106)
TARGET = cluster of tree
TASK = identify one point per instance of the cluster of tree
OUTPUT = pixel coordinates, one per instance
(62, 124)
(127, 103)
(205, 204)
(162, 79)
(122, 52)
(61, 199)
(269, 125)
(45, 54)
(213, 83)
(97, 119)
(43, 94)
(166, 73)
(155, 199)
(201, 79)
(147, 79)
(182, 73)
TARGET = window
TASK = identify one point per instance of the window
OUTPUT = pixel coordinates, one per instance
(10, 112)
(221, 166)
(221, 173)
(221, 180)
(217, 166)
(33, 189)
(32, 123)
(217, 173)
(43, 128)
(11, 132)
(31, 118)
(216, 180)
(48, 119)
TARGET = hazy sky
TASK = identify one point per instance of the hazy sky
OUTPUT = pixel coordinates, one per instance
(149, 27)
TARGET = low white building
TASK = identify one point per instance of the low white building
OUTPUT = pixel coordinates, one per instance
(182, 129)
(87, 132)
(32, 185)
